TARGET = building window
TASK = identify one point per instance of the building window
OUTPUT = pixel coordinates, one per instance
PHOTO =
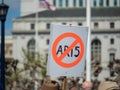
(80, 24)
(54, 2)
(107, 2)
(115, 2)
(112, 25)
(80, 2)
(60, 3)
(48, 25)
(96, 25)
(94, 2)
(96, 49)
(111, 41)
(112, 56)
(31, 48)
(64, 23)
(47, 41)
(32, 26)
(66, 3)
(74, 3)
(101, 2)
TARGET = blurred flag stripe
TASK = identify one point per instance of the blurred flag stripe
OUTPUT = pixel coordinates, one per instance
(47, 4)
(43, 4)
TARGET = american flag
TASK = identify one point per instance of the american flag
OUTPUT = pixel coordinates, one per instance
(43, 4)
(47, 4)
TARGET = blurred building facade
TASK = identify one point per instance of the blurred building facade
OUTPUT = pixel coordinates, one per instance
(8, 48)
(105, 27)
(31, 6)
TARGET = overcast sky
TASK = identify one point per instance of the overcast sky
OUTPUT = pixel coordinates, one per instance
(13, 12)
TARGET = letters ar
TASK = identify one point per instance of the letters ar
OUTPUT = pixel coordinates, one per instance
(73, 53)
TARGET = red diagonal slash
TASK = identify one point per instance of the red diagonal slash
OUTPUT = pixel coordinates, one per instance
(59, 59)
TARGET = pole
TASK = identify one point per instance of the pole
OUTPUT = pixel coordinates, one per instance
(36, 39)
(36, 30)
(36, 34)
(88, 58)
(64, 83)
(2, 64)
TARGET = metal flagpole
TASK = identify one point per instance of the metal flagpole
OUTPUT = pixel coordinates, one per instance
(36, 29)
(88, 56)
(36, 38)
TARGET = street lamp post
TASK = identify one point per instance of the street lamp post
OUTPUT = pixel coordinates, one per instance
(3, 13)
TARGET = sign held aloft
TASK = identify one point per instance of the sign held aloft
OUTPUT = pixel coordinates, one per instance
(67, 52)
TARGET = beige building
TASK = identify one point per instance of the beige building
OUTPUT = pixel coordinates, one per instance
(8, 48)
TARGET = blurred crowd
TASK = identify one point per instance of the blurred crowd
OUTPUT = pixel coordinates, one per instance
(15, 82)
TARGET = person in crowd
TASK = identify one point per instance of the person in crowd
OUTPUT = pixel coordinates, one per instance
(87, 85)
(108, 85)
(73, 88)
(50, 85)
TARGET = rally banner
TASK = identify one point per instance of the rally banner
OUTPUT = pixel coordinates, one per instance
(67, 51)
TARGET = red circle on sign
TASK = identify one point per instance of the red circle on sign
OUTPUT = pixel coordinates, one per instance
(59, 59)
